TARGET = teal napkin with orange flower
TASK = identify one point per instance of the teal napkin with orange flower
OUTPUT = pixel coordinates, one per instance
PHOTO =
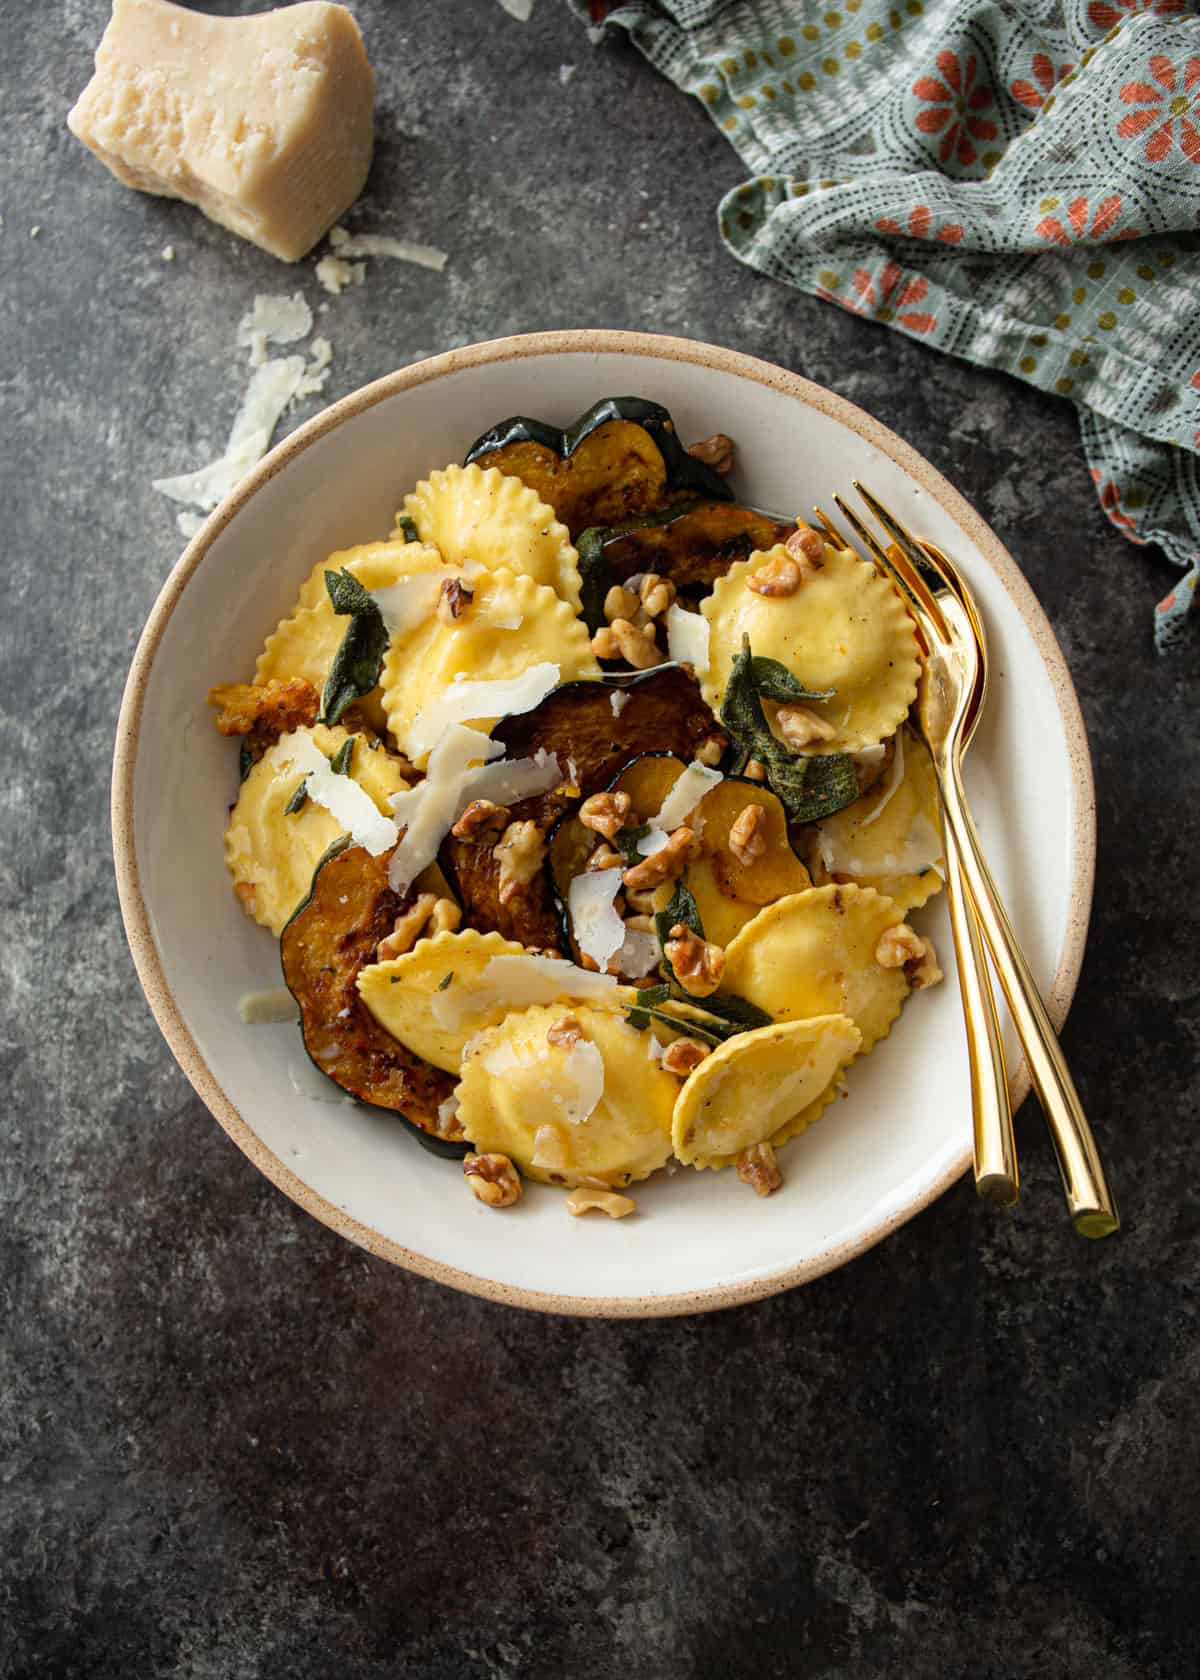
(1016, 182)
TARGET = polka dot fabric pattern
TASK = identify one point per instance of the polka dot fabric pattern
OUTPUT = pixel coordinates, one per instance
(1016, 185)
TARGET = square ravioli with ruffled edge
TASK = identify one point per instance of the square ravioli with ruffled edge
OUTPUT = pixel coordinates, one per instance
(587, 814)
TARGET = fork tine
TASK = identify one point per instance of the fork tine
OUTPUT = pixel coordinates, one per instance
(895, 575)
(830, 529)
(908, 558)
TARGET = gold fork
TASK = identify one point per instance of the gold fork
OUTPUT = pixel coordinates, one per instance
(950, 626)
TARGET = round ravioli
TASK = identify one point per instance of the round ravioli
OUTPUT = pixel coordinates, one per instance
(416, 997)
(484, 515)
(845, 629)
(813, 953)
(306, 643)
(510, 625)
(376, 566)
(596, 1110)
(271, 852)
(762, 1086)
(890, 839)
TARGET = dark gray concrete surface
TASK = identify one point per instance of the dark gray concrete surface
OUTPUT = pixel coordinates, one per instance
(234, 1446)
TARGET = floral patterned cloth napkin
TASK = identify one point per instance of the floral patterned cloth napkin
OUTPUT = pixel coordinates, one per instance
(1016, 182)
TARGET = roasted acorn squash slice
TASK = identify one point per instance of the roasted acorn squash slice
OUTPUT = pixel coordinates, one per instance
(620, 460)
(334, 934)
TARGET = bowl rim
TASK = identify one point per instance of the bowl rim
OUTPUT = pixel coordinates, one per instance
(135, 914)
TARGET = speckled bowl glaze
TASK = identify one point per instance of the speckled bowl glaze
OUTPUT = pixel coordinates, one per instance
(698, 1241)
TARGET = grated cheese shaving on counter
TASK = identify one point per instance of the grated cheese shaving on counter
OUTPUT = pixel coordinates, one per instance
(687, 638)
(335, 275)
(428, 810)
(188, 523)
(895, 777)
(346, 244)
(341, 796)
(515, 982)
(599, 931)
(687, 793)
(269, 1008)
(272, 388)
(274, 319)
(522, 10)
(463, 700)
(316, 374)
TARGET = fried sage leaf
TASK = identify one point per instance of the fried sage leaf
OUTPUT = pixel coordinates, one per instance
(359, 660)
(810, 786)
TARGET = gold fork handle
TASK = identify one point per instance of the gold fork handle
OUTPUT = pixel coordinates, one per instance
(996, 1176)
(1089, 1199)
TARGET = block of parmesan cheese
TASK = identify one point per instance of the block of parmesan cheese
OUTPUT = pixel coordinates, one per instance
(266, 122)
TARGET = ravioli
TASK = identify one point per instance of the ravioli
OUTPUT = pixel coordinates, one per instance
(495, 520)
(813, 953)
(404, 993)
(845, 629)
(305, 643)
(522, 1096)
(890, 839)
(762, 1086)
(270, 852)
(511, 625)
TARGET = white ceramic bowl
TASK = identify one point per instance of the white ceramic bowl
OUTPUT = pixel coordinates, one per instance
(699, 1240)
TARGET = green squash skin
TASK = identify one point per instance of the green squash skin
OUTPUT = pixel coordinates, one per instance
(435, 1145)
(684, 471)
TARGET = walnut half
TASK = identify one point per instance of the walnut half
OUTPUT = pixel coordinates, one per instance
(493, 1180)
(699, 965)
(759, 1168)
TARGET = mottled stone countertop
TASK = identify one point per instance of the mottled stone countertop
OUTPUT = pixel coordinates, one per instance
(234, 1445)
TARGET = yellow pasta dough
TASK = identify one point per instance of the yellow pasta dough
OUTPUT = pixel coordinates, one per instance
(597, 1111)
(375, 565)
(845, 629)
(411, 997)
(762, 1086)
(511, 625)
(484, 515)
(813, 953)
(889, 839)
(270, 852)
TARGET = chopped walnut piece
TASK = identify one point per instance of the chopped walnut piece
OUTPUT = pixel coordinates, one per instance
(620, 602)
(408, 928)
(644, 903)
(565, 1031)
(246, 896)
(801, 727)
(641, 923)
(493, 1180)
(480, 817)
(605, 813)
(583, 1200)
(699, 965)
(779, 577)
(755, 770)
(630, 642)
(453, 600)
(604, 858)
(682, 1055)
(746, 838)
(711, 750)
(446, 917)
(268, 709)
(806, 545)
(925, 971)
(663, 865)
(758, 1167)
(657, 594)
(898, 946)
(519, 854)
(716, 452)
